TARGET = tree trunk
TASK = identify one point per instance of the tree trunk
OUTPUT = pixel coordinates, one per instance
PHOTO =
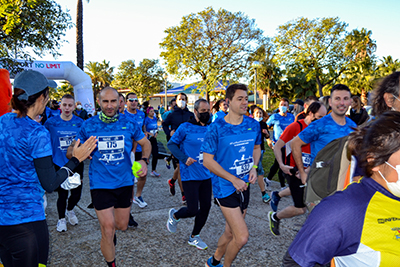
(320, 86)
(79, 35)
(364, 98)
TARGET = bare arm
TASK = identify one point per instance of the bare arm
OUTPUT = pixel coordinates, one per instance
(296, 145)
(214, 167)
(256, 157)
(278, 157)
(146, 150)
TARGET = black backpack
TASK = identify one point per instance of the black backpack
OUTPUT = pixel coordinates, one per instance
(329, 172)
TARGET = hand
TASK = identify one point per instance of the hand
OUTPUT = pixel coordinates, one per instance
(190, 161)
(155, 135)
(303, 177)
(83, 152)
(270, 143)
(253, 176)
(143, 171)
(172, 133)
(286, 169)
(266, 132)
(240, 185)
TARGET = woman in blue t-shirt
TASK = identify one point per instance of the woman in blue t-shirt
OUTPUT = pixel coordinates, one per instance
(27, 171)
(151, 128)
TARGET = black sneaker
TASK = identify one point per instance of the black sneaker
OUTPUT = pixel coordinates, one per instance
(273, 225)
(171, 187)
(132, 222)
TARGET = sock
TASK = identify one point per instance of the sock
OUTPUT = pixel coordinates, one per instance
(263, 193)
(183, 194)
(275, 217)
(115, 241)
(215, 262)
(279, 197)
(111, 263)
(173, 181)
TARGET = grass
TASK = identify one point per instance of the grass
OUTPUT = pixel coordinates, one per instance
(267, 162)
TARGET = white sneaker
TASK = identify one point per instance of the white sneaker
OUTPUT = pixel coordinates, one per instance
(140, 202)
(62, 225)
(72, 219)
(267, 183)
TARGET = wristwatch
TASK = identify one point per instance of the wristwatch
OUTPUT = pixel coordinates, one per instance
(145, 160)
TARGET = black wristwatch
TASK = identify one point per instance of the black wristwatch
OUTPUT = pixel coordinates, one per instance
(145, 160)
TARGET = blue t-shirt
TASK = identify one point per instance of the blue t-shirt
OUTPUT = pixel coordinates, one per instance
(151, 124)
(321, 132)
(54, 112)
(139, 119)
(190, 138)
(21, 196)
(280, 123)
(232, 147)
(62, 134)
(218, 115)
(110, 166)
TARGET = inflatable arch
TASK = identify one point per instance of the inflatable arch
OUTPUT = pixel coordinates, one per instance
(66, 70)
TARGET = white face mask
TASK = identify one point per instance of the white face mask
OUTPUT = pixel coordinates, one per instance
(181, 103)
(258, 119)
(79, 106)
(394, 187)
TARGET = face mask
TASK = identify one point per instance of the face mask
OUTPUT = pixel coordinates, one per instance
(394, 187)
(204, 117)
(283, 109)
(79, 106)
(259, 119)
(181, 103)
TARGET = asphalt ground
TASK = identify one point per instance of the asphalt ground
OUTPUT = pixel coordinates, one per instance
(150, 244)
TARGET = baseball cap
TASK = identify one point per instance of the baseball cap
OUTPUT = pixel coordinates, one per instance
(299, 101)
(32, 82)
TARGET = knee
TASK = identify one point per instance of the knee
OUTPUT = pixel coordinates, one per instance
(242, 239)
(108, 230)
(121, 226)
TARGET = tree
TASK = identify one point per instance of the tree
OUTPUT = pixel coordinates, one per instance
(79, 34)
(145, 79)
(101, 74)
(57, 93)
(211, 45)
(322, 47)
(31, 27)
(388, 66)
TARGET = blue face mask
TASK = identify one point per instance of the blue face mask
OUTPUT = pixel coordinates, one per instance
(283, 109)
(258, 119)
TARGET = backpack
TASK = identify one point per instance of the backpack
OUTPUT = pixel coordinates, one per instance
(329, 172)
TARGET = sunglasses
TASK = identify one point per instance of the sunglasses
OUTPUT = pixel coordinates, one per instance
(133, 99)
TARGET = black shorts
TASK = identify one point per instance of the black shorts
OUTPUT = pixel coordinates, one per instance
(296, 189)
(236, 199)
(138, 156)
(107, 198)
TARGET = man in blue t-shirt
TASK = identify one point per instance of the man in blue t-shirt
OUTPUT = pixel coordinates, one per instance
(63, 130)
(111, 178)
(231, 151)
(321, 132)
(135, 115)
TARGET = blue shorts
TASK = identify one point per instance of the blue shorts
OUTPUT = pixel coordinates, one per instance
(260, 170)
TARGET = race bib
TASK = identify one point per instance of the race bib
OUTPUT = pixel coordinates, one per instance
(306, 159)
(200, 158)
(243, 166)
(66, 141)
(111, 144)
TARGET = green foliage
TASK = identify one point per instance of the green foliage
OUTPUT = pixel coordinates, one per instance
(145, 79)
(101, 74)
(57, 93)
(30, 27)
(211, 45)
(322, 48)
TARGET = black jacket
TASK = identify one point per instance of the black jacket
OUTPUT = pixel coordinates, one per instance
(83, 115)
(176, 118)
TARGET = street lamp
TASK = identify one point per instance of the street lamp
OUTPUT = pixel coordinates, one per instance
(165, 89)
(255, 65)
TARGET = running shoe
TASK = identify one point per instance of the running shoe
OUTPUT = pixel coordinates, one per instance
(62, 225)
(132, 222)
(171, 187)
(197, 242)
(209, 263)
(72, 219)
(155, 174)
(183, 200)
(267, 183)
(172, 223)
(266, 198)
(167, 163)
(273, 225)
(140, 202)
(275, 200)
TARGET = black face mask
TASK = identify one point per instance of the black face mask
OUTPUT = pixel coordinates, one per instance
(204, 117)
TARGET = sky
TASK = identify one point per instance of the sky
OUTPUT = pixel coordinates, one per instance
(132, 29)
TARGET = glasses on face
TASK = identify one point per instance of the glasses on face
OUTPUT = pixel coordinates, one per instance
(133, 99)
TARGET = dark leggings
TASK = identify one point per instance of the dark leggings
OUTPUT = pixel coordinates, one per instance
(154, 153)
(196, 192)
(275, 168)
(63, 194)
(24, 244)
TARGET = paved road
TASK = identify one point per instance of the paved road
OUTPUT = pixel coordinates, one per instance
(150, 244)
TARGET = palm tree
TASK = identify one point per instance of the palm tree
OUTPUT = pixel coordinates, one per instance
(101, 74)
(79, 34)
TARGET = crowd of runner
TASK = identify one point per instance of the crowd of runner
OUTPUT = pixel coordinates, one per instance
(216, 153)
